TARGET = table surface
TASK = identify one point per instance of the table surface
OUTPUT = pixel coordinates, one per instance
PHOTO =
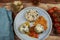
(51, 37)
(43, 1)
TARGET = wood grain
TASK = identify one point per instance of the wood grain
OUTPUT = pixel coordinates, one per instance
(42, 1)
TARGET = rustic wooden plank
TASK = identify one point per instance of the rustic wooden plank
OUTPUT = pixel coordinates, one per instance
(43, 1)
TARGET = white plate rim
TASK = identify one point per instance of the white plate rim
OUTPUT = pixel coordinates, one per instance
(41, 9)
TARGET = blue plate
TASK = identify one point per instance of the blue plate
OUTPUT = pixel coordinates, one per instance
(20, 18)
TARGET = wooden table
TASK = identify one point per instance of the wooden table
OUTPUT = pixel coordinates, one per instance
(51, 37)
(43, 1)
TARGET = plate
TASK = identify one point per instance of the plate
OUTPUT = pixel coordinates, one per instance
(19, 19)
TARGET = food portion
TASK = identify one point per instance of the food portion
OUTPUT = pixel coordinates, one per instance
(39, 28)
(32, 32)
(16, 6)
(31, 15)
(39, 24)
(55, 15)
(41, 20)
(24, 28)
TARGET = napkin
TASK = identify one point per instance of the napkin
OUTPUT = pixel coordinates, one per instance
(6, 29)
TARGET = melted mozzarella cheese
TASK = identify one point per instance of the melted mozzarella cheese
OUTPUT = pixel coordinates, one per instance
(39, 28)
(24, 28)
